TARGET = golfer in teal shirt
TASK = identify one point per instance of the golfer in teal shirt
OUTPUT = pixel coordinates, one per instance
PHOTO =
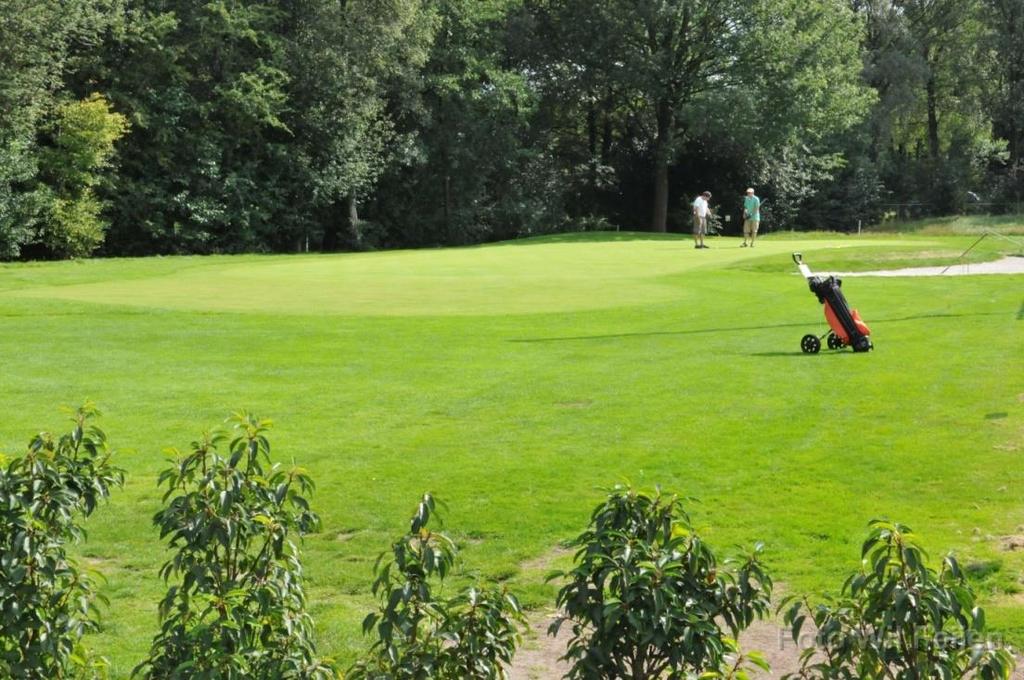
(751, 217)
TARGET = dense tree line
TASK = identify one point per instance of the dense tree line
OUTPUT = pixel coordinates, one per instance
(166, 126)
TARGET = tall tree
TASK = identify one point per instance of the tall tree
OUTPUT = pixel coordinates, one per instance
(39, 41)
(30, 54)
(1005, 19)
(932, 132)
(207, 166)
(346, 59)
(934, 26)
(476, 170)
(681, 60)
(802, 96)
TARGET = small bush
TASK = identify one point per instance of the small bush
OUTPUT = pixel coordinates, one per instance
(83, 137)
(898, 618)
(420, 635)
(48, 602)
(589, 222)
(648, 599)
(236, 608)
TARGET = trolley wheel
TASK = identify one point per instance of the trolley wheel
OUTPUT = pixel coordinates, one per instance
(810, 344)
(862, 345)
(834, 342)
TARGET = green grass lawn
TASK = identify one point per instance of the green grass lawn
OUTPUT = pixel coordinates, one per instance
(515, 380)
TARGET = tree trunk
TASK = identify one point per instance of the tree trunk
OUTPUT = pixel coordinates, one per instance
(1013, 145)
(659, 219)
(662, 156)
(446, 194)
(341, 219)
(447, 205)
(332, 229)
(933, 122)
(933, 112)
(606, 131)
(352, 220)
(1005, 123)
(592, 128)
(587, 197)
(1014, 79)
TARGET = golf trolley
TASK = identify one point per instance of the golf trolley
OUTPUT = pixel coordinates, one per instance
(846, 326)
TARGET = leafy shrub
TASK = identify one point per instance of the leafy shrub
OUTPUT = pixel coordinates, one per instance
(47, 601)
(714, 223)
(420, 635)
(84, 133)
(236, 608)
(588, 222)
(648, 599)
(898, 618)
(73, 226)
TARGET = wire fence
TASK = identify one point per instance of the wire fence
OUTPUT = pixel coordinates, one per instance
(917, 210)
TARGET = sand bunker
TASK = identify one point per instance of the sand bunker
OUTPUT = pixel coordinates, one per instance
(1007, 265)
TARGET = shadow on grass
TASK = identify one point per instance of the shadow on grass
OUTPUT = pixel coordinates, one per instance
(592, 237)
(798, 353)
(739, 329)
(694, 331)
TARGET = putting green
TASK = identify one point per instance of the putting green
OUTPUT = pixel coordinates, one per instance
(533, 276)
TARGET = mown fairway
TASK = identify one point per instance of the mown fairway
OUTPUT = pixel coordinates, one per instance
(514, 380)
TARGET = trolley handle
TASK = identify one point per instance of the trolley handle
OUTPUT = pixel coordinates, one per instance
(798, 258)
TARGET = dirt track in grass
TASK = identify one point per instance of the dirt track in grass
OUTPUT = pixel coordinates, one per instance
(539, 658)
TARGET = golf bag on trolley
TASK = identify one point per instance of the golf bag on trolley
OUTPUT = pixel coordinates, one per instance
(847, 328)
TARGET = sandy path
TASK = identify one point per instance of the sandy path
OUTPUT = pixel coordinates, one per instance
(1007, 265)
(539, 657)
